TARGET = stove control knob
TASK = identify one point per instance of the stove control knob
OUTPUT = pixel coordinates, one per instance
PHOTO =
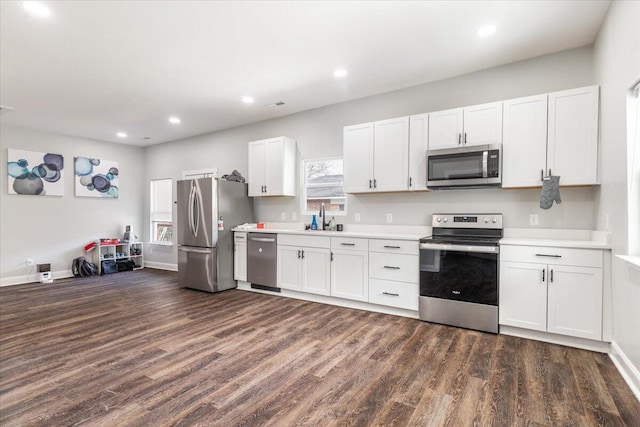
(494, 220)
(486, 220)
(446, 219)
(438, 219)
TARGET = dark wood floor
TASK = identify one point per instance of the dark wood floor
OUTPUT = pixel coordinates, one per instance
(136, 349)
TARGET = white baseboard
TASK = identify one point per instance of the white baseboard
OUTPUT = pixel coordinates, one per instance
(629, 372)
(33, 278)
(585, 344)
(161, 265)
(360, 305)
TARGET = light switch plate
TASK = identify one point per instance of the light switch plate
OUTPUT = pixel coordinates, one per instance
(533, 219)
(389, 217)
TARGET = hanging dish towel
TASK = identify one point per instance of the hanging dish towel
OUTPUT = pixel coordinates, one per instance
(550, 191)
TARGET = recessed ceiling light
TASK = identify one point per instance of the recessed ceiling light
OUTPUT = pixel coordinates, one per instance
(174, 120)
(36, 8)
(248, 99)
(486, 30)
(121, 135)
(340, 73)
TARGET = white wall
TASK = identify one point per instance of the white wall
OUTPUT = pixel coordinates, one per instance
(54, 230)
(617, 66)
(319, 133)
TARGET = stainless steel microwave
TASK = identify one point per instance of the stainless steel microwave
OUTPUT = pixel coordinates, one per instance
(465, 167)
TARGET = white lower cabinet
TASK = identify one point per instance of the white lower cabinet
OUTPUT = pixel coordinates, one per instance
(394, 273)
(552, 297)
(306, 266)
(240, 256)
(350, 269)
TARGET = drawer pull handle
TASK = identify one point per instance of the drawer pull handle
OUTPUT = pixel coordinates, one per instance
(391, 294)
(391, 247)
(347, 244)
(550, 256)
(392, 267)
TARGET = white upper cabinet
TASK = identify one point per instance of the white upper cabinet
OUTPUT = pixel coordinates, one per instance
(555, 133)
(358, 158)
(376, 156)
(445, 129)
(272, 167)
(572, 151)
(524, 148)
(418, 146)
(474, 125)
(483, 124)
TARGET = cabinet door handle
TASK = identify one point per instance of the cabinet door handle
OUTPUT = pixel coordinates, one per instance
(390, 294)
(298, 253)
(550, 256)
(331, 256)
(347, 244)
(551, 276)
(543, 270)
(459, 138)
(465, 138)
(302, 251)
(391, 267)
(391, 247)
(265, 188)
(370, 183)
(375, 184)
(410, 182)
(541, 174)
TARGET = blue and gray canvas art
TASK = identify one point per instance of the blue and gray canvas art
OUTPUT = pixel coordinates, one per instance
(96, 178)
(34, 173)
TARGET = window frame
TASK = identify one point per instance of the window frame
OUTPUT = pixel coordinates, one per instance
(154, 223)
(303, 186)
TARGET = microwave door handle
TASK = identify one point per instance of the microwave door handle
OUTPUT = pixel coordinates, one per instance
(485, 157)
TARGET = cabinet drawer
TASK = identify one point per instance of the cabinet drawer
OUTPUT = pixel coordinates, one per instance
(402, 268)
(308, 241)
(394, 294)
(394, 246)
(240, 237)
(350, 243)
(551, 255)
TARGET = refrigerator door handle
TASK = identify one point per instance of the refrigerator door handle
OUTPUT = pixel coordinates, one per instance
(190, 210)
(197, 251)
(196, 216)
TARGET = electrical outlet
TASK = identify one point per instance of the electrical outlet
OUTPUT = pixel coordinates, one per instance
(283, 216)
(533, 219)
(294, 215)
(357, 217)
(389, 217)
(30, 262)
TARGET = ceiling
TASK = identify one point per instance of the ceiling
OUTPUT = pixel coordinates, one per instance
(95, 68)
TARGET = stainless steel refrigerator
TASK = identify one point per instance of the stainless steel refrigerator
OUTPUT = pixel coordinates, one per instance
(208, 209)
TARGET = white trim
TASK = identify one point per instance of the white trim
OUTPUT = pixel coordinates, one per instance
(160, 265)
(33, 278)
(286, 293)
(585, 344)
(626, 369)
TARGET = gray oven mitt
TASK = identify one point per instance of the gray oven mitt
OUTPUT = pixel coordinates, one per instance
(550, 191)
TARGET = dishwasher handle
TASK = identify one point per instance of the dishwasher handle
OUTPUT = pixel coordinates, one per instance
(263, 239)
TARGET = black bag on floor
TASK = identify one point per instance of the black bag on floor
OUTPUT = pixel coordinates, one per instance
(125, 264)
(80, 267)
(109, 266)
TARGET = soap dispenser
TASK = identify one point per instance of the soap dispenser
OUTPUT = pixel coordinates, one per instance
(332, 224)
(314, 223)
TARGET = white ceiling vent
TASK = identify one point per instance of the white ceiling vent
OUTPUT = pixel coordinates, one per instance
(275, 104)
(4, 109)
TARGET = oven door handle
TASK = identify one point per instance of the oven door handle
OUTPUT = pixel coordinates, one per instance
(461, 248)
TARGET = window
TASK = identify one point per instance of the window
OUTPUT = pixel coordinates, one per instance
(323, 183)
(161, 211)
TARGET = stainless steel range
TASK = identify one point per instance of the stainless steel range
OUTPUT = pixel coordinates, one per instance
(459, 271)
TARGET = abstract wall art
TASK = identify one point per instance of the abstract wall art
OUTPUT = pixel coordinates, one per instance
(34, 173)
(96, 178)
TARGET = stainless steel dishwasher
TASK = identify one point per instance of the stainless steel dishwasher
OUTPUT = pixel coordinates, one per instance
(262, 263)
